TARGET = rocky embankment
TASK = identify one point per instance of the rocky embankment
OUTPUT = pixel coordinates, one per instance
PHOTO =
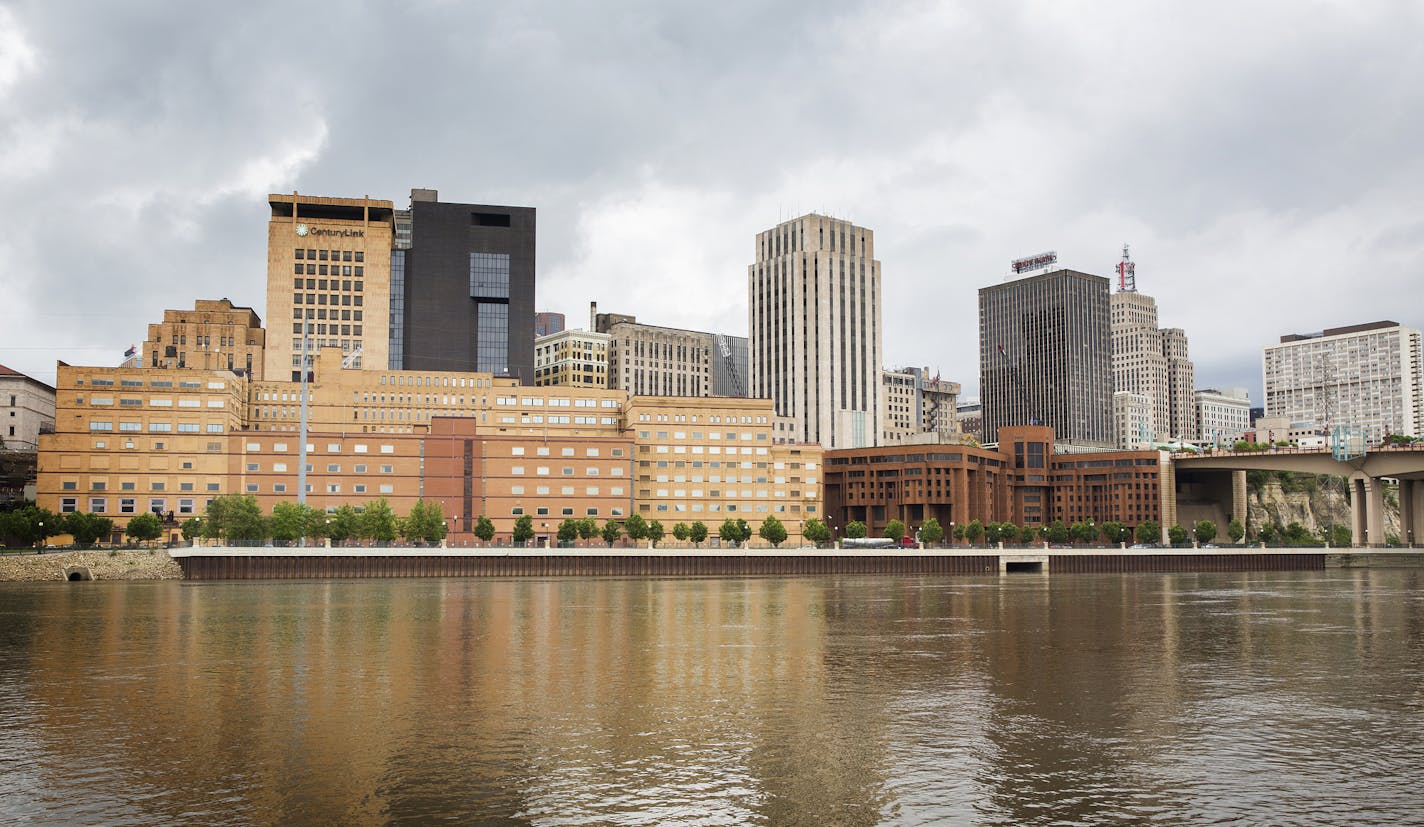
(1316, 503)
(120, 564)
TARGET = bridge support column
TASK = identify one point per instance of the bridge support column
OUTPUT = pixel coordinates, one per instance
(1409, 491)
(1238, 497)
(1367, 511)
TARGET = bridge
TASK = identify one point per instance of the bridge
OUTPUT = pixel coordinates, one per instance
(1365, 470)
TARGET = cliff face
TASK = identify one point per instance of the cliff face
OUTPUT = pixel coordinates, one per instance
(1313, 504)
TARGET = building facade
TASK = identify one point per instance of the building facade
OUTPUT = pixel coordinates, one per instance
(130, 440)
(814, 300)
(546, 323)
(1023, 482)
(913, 403)
(1153, 362)
(328, 266)
(1364, 376)
(27, 409)
(576, 358)
(1132, 420)
(666, 361)
(214, 335)
(468, 288)
(1224, 415)
(1045, 356)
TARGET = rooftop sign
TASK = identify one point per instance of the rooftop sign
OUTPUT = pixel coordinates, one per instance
(1036, 262)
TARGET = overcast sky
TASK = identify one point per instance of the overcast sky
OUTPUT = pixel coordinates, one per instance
(1263, 159)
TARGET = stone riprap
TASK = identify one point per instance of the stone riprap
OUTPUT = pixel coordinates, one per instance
(121, 564)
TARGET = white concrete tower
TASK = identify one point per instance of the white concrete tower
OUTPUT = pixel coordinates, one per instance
(814, 301)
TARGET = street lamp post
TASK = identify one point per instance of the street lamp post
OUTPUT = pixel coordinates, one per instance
(40, 547)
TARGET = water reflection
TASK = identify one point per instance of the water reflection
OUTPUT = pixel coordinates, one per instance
(1288, 698)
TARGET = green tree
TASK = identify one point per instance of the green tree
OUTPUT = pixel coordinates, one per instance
(1081, 532)
(1339, 535)
(993, 533)
(484, 528)
(425, 523)
(1298, 535)
(772, 531)
(930, 531)
(1058, 532)
(86, 528)
(29, 525)
(345, 524)
(378, 522)
(636, 527)
(1206, 531)
(1235, 530)
(588, 528)
(680, 532)
(1148, 532)
(816, 531)
(655, 532)
(1268, 533)
(1028, 534)
(1115, 532)
(145, 527)
(237, 520)
(568, 532)
(523, 529)
(288, 523)
(728, 531)
(744, 531)
(697, 532)
(1176, 535)
(191, 528)
(894, 530)
(855, 529)
(611, 532)
(973, 531)
(959, 531)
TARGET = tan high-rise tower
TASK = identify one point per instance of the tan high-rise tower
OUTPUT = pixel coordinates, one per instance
(328, 264)
(814, 301)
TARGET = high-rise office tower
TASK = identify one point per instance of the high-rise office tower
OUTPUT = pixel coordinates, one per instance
(467, 287)
(1151, 361)
(1366, 376)
(328, 264)
(814, 301)
(1045, 356)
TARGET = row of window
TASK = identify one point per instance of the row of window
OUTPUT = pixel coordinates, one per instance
(157, 383)
(331, 468)
(566, 511)
(160, 427)
(309, 254)
(127, 505)
(153, 403)
(103, 485)
(567, 471)
(567, 490)
(331, 447)
(543, 451)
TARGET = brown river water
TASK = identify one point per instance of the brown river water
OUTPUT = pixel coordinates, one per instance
(1293, 698)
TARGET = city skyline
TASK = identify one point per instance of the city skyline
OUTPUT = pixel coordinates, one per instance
(1248, 180)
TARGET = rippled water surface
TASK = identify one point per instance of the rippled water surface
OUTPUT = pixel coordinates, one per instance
(1169, 699)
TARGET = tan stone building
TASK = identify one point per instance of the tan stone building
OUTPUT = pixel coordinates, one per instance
(716, 459)
(214, 335)
(28, 410)
(138, 439)
(914, 403)
(814, 301)
(571, 358)
(328, 264)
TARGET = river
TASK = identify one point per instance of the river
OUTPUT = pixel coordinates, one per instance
(1293, 698)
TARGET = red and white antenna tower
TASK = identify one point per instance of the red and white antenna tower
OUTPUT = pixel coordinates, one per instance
(1126, 272)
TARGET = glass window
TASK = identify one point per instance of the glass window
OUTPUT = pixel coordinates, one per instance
(489, 276)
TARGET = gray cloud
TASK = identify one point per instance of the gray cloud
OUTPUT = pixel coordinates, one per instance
(1259, 158)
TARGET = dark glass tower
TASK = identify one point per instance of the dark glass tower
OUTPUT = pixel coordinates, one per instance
(469, 288)
(1045, 356)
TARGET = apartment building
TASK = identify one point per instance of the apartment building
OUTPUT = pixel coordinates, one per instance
(214, 335)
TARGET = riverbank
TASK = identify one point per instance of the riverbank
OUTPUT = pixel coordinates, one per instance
(100, 564)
